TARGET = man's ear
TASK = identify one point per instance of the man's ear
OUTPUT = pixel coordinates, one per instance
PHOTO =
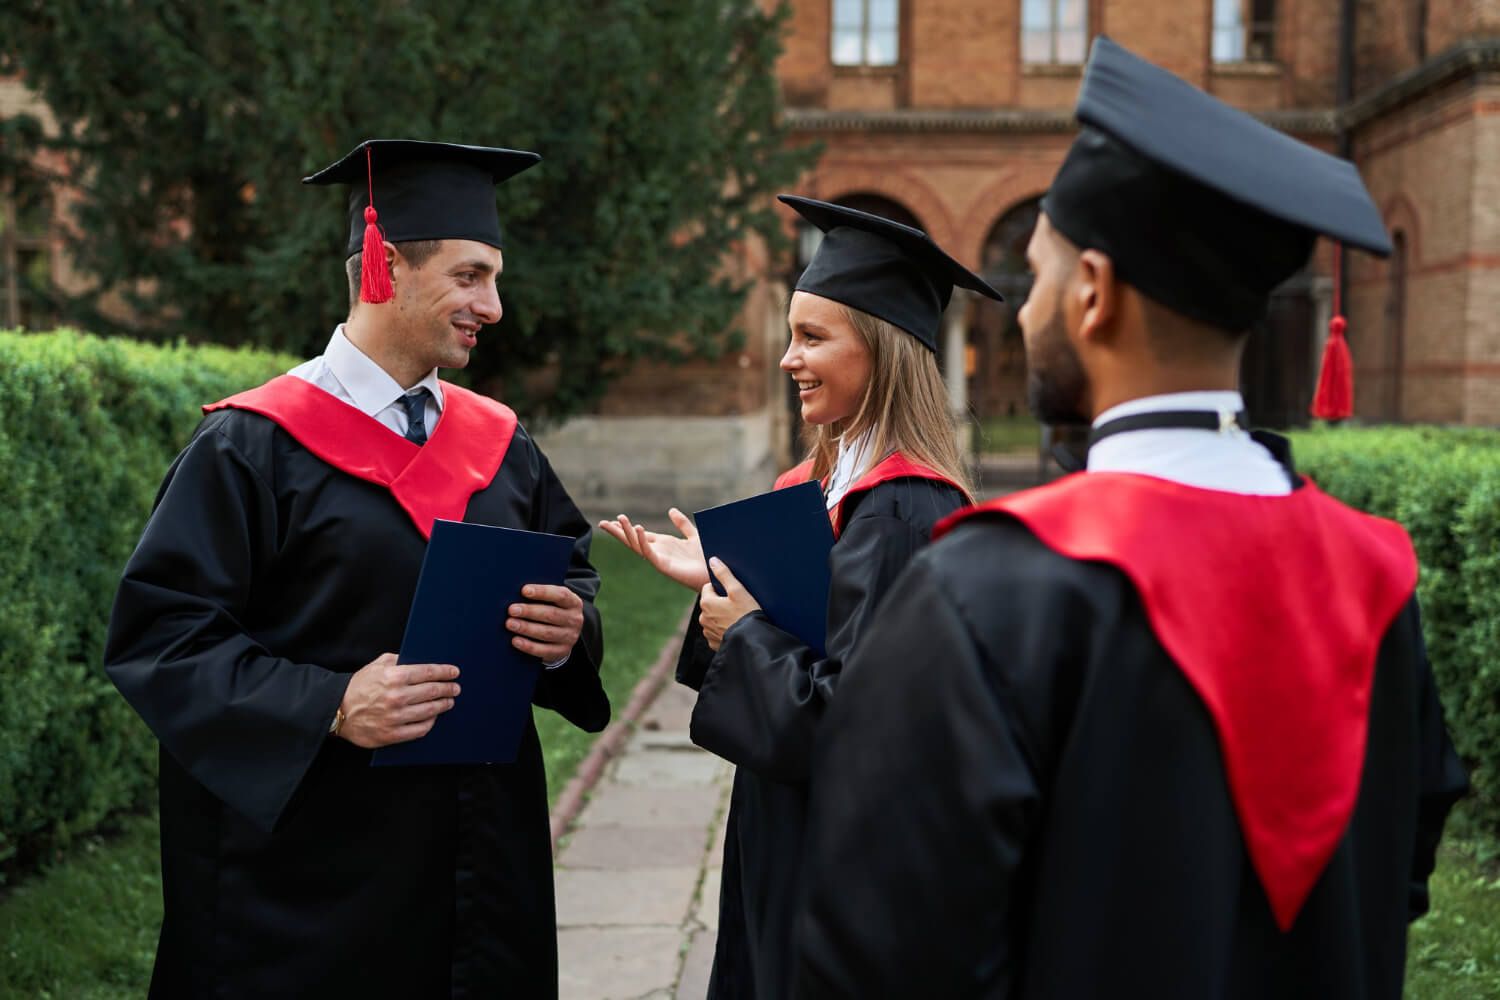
(391, 256)
(1096, 296)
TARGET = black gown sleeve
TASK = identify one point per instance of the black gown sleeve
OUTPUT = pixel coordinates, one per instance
(1440, 776)
(573, 690)
(923, 772)
(696, 654)
(244, 723)
(764, 692)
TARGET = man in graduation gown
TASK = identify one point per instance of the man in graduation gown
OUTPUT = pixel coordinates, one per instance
(256, 625)
(1164, 728)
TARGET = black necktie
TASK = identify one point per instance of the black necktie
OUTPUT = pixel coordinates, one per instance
(416, 414)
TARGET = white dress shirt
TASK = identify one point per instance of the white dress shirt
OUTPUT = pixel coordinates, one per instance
(349, 375)
(1230, 461)
(853, 456)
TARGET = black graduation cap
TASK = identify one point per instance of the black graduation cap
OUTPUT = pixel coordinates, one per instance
(1200, 206)
(882, 268)
(423, 191)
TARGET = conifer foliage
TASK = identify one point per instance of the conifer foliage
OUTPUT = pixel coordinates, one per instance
(188, 127)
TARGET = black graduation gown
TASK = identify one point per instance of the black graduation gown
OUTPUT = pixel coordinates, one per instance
(291, 868)
(1022, 795)
(760, 701)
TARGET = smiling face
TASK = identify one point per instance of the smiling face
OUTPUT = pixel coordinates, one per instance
(827, 358)
(441, 305)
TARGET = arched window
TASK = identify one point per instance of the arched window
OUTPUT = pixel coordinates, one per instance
(1395, 326)
(1004, 256)
(998, 388)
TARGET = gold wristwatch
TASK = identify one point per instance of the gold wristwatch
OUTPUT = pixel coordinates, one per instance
(338, 722)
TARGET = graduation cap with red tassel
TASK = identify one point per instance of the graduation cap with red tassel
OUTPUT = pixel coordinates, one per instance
(1334, 398)
(374, 273)
(428, 191)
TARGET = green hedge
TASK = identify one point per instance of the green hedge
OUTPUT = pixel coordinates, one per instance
(1443, 484)
(87, 428)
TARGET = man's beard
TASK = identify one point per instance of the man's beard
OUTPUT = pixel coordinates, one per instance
(1056, 385)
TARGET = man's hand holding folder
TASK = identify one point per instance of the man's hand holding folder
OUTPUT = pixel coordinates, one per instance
(389, 702)
(475, 608)
(549, 628)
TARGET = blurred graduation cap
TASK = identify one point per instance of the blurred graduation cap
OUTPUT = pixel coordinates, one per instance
(1200, 206)
(427, 191)
(883, 268)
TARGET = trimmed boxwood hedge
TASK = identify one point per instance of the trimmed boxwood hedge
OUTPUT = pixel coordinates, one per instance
(87, 429)
(1443, 484)
(88, 426)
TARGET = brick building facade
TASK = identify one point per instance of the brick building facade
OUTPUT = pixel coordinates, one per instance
(954, 115)
(1424, 126)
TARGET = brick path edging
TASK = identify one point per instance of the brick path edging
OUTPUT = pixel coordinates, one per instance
(610, 742)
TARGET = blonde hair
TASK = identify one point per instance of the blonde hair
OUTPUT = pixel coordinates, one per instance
(905, 405)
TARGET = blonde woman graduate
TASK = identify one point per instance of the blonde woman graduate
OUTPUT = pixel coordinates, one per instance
(864, 322)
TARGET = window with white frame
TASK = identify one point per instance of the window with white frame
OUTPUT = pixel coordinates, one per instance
(1054, 32)
(866, 32)
(1244, 31)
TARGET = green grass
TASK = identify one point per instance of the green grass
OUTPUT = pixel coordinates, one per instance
(1001, 435)
(1454, 951)
(641, 610)
(86, 928)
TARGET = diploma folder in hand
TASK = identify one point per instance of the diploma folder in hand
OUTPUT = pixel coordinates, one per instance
(777, 545)
(471, 575)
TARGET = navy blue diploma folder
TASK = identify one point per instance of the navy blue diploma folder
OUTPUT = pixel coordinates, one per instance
(471, 575)
(777, 545)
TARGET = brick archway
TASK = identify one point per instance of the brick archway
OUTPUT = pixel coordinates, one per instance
(1015, 185)
(1400, 212)
(901, 186)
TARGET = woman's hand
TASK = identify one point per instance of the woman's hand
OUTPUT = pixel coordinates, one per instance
(679, 559)
(717, 614)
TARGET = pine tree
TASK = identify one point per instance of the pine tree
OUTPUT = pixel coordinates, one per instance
(189, 126)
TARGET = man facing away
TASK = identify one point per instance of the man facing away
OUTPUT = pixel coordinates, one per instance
(256, 623)
(1165, 728)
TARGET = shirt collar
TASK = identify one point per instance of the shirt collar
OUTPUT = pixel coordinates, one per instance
(1231, 461)
(369, 386)
(1213, 401)
(853, 456)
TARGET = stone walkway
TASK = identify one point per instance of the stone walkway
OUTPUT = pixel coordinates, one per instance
(638, 876)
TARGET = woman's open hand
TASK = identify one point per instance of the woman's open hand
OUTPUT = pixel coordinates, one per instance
(679, 559)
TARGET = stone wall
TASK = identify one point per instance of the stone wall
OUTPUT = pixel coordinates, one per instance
(642, 465)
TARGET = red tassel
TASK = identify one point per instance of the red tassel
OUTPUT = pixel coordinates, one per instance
(374, 275)
(1334, 399)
